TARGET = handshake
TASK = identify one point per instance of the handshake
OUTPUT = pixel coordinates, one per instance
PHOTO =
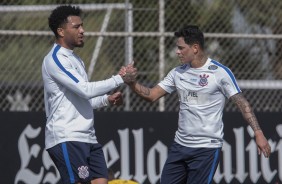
(128, 73)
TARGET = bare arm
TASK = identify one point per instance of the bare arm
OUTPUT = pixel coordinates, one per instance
(248, 114)
(129, 74)
(149, 94)
(246, 110)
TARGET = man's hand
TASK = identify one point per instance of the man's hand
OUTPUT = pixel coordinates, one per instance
(116, 98)
(263, 145)
(128, 73)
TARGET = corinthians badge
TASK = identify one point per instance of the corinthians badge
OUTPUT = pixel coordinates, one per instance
(204, 80)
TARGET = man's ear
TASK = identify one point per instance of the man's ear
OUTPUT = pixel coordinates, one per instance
(195, 48)
(61, 32)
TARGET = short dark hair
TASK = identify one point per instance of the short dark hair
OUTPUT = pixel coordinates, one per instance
(191, 34)
(60, 14)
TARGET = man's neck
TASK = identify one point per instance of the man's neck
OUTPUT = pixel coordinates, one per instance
(199, 61)
(63, 44)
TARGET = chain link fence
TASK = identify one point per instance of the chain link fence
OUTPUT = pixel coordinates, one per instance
(244, 35)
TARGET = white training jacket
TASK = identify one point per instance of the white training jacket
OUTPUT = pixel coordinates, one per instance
(70, 98)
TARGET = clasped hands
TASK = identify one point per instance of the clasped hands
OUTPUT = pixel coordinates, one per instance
(128, 73)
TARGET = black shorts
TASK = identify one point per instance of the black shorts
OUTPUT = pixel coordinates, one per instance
(190, 165)
(78, 161)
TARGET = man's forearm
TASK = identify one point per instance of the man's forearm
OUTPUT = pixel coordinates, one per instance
(141, 90)
(246, 111)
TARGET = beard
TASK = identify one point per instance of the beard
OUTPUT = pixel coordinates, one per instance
(79, 44)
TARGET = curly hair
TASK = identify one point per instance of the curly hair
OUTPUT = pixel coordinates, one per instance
(59, 16)
(191, 34)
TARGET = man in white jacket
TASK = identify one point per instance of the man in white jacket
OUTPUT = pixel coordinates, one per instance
(70, 99)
